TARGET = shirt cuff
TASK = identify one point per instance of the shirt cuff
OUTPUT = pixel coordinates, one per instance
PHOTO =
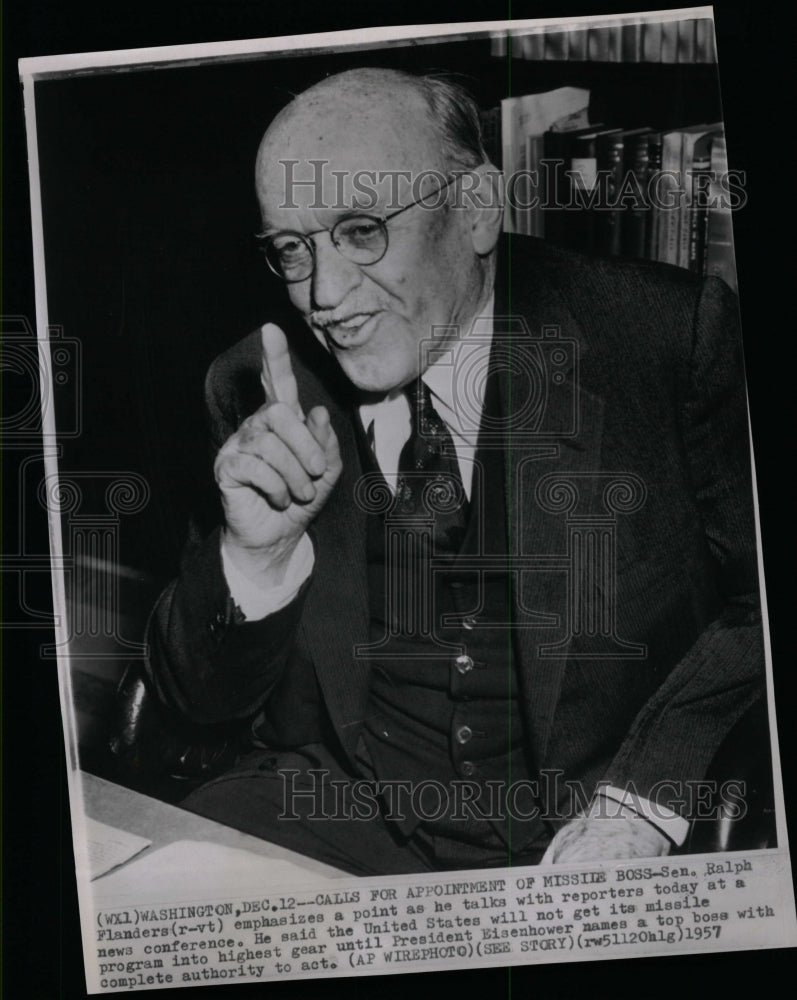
(627, 804)
(256, 602)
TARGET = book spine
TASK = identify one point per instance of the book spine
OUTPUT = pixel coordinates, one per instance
(685, 213)
(598, 44)
(557, 45)
(669, 42)
(577, 51)
(705, 51)
(669, 191)
(631, 43)
(532, 46)
(654, 214)
(615, 43)
(535, 214)
(651, 42)
(498, 46)
(610, 165)
(719, 259)
(636, 217)
(686, 41)
(699, 215)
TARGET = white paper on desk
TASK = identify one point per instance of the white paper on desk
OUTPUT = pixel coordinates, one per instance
(109, 847)
(189, 868)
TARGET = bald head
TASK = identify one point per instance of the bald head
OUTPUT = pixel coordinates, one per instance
(363, 94)
(368, 159)
(433, 116)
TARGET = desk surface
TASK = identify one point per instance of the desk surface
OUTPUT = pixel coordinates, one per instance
(164, 824)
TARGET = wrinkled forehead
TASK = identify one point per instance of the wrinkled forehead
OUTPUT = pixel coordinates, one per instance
(331, 156)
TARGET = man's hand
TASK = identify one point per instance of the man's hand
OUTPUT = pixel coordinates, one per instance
(605, 839)
(276, 472)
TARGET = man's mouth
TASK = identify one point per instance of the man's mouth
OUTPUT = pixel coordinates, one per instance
(350, 331)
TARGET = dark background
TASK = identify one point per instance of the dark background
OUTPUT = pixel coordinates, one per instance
(154, 219)
(149, 216)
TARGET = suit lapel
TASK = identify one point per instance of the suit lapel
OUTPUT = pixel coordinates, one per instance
(553, 441)
(551, 434)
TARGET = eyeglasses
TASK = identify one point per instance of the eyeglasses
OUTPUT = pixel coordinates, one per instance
(362, 239)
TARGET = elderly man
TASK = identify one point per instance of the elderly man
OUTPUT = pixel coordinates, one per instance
(485, 587)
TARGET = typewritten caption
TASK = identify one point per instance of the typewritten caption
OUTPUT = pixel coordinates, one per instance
(425, 922)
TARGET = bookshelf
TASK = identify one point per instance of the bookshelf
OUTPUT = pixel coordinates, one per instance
(611, 142)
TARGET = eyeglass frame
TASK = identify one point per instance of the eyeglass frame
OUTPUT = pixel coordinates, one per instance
(381, 222)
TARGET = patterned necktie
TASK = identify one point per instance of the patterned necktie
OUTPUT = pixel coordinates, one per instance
(429, 485)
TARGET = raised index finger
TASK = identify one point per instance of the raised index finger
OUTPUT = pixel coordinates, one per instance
(276, 371)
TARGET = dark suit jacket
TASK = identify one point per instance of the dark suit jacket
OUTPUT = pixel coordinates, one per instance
(657, 379)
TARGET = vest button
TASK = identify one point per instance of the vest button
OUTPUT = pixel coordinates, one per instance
(463, 664)
(468, 768)
(464, 734)
(469, 623)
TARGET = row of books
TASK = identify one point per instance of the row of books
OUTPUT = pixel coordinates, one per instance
(689, 40)
(662, 195)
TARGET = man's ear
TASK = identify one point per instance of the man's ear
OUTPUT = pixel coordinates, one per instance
(482, 197)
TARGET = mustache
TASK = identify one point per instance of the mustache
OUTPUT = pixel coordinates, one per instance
(329, 317)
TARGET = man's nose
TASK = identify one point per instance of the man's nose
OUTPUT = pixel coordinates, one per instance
(333, 276)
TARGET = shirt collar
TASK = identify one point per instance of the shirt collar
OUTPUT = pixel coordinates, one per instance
(454, 370)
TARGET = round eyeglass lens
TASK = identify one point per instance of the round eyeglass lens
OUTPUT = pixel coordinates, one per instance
(361, 239)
